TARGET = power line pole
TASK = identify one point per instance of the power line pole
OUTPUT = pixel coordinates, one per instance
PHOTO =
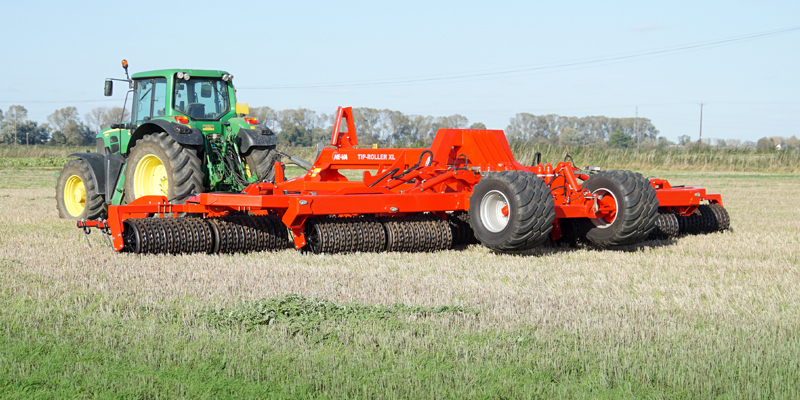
(700, 140)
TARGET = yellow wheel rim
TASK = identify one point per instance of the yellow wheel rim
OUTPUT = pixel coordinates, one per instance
(74, 195)
(247, 173)
(150, 177)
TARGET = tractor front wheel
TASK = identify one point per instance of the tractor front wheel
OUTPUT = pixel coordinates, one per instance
(628, 208)
(511, 210)
(76, 193)
(261, 163)
(158, 165)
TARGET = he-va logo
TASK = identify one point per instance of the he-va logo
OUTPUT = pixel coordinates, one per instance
(338, 156)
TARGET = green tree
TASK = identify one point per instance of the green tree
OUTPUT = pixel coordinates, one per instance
(421, 127)
(33, 133)
(571, 137)
(7, 133)
(265, 115)
(396, 126)
(619, 140)
(595, 129)
(68, 127)
(368, 124)
(683, 140)
(478, 125)
(664, 142)
(298, 127)
(63, 117)
(100, 118)
(793, 142)
(765, 145)
(16, 115)
(295, 135)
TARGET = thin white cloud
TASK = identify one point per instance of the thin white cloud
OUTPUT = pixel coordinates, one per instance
(647, 27)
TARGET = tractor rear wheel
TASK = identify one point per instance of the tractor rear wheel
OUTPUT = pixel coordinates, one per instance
(158, 165)
(511, 210)
(261, 163)
(76, 193)
(631, 204)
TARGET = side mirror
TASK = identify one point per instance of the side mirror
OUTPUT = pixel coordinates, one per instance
(109, 89)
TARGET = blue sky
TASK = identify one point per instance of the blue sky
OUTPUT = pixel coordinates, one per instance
(573, 58)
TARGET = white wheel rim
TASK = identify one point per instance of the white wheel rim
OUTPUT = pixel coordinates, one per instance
(492, 214)
(600, 222)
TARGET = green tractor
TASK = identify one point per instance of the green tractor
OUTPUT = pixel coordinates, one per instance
(186, 135)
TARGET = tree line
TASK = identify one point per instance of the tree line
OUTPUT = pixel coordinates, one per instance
(303, 127)
(386, 128)
(63, 127)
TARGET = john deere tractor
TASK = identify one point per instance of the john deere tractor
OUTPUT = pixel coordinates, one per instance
(186, 135)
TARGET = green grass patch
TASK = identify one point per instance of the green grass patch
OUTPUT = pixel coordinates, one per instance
(37, 151)
(44, 162)
(306, 314)
(27, 178)
(83, 350)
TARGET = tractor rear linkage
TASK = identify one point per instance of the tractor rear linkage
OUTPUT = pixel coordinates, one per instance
(465, 188)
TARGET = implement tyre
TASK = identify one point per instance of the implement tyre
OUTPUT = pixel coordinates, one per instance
(511, 211)
(158, 165)
(76, 193)
(261, 163)
(636, 208)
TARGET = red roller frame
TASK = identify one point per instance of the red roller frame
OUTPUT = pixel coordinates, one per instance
(406, 181)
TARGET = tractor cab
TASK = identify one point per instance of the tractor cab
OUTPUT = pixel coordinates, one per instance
(186, 135)
(196, 99)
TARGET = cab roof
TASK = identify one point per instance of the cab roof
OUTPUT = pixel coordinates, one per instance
(207, 73)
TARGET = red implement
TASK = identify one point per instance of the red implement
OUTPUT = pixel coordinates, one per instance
(406, 199)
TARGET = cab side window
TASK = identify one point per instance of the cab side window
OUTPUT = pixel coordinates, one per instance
(159, 97)
(143, 96)
(150, 98)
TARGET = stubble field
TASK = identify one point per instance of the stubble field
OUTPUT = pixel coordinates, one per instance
(708, 316)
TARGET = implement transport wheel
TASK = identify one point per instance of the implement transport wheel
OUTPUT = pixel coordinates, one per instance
(76, 193)
(158, 165)
(511, 210)
(261, 163)
(628, 208)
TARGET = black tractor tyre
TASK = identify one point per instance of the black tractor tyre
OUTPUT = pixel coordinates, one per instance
(530, 212)
(183, 169)
(85, 204)
(637, 208)
(260, 161)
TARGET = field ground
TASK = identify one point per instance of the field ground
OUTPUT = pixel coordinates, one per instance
(709, 316)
